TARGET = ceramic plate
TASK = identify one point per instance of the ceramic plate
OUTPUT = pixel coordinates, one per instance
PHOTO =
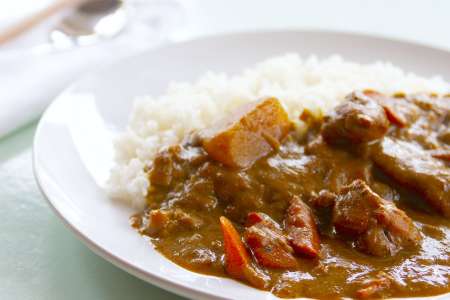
(73, 149)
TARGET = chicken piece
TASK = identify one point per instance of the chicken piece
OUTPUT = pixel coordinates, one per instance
(389, 232)
(248, 134)
(268, 243)
(398, 110)
(161, 222)
(301, 228)
(360, 119)
(353, 208)
(161, 171)
(397, 223)
(237, 259)
(375, 241)
(411, 165)
(323, 199)
(378, 226)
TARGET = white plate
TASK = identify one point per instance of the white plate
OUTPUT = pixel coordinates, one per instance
(73, 142)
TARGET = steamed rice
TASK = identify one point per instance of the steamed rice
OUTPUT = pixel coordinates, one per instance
(298, 83)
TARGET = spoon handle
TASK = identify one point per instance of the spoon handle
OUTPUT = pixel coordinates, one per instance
(36, 18)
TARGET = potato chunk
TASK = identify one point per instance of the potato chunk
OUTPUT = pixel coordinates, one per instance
(247, 134)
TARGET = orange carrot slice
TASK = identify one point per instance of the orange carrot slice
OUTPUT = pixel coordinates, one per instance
(237, 259)
(236, 255)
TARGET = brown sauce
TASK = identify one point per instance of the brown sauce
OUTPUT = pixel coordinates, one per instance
(190, 191)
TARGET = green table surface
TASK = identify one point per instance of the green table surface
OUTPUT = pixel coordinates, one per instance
(39, 257)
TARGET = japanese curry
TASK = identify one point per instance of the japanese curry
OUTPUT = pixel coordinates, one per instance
(357, 206)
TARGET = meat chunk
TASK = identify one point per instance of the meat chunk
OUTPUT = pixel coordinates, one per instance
(389, 232)
(268, 243)
(417, 154)
(377, 225)
(416, 168)
(360, 119)
(353, 208)
(301, 228)
(397, 222)
(161, 222)
(398, 109)
(420, 118)
(375, 241)
(323, 199)
(250, 133)
(161, 171)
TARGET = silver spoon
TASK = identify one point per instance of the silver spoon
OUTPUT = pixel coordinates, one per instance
(89, 23)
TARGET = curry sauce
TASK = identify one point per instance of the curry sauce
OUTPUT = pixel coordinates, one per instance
(358, 206)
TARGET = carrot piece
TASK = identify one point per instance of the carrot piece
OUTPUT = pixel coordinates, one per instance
(441, 154)
(237, 259)
(394, 117)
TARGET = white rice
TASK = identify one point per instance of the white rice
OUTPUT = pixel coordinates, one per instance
(318, 85)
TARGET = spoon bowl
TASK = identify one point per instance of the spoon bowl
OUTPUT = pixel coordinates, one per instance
(91, 22)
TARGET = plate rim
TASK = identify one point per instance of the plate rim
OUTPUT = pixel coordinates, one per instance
(153, 277)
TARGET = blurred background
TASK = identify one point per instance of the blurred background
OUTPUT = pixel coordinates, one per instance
(46, 44)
